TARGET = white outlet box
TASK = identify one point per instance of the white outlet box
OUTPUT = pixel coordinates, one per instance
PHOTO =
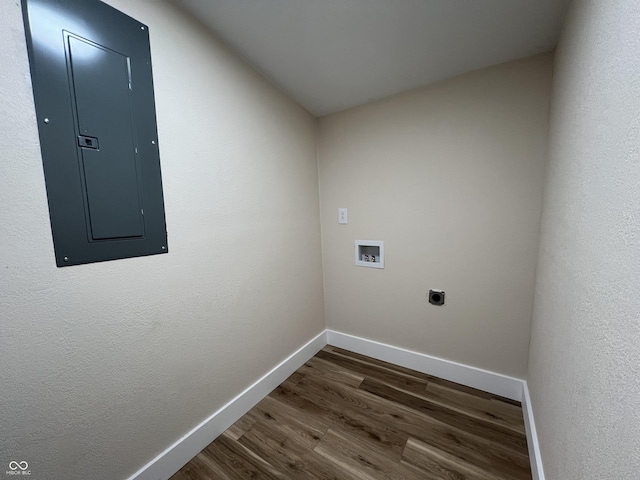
(342, 216)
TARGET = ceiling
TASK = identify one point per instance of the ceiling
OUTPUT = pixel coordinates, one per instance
(330, 55)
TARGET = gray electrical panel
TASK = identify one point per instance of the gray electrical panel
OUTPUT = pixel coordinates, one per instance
(93, 90)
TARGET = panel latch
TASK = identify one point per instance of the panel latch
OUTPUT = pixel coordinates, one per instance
(88, 142)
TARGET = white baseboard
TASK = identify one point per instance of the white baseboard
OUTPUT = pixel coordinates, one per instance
(532, 435)
(491, 382)
(496, 383)
(178, 454)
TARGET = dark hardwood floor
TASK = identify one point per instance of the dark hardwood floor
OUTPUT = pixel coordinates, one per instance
(344, 415)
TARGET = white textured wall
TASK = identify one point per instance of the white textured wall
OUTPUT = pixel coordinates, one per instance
(584, 365)
(450, 177)
(103, 366)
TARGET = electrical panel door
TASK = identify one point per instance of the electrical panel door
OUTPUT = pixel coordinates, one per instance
(93, 88)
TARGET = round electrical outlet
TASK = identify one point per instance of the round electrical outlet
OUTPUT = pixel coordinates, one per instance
(436, 297)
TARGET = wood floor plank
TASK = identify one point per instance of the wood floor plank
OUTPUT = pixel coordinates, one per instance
(345, 416)
(314, 422)
(484, 452)
(236, 430)
(215, 470)
(289, 456)
(499, 434)
(491, 410)
(354, 456)
(342, 416)
(484, 408)
(305, 429)
(317, 366)
(474, 391)
(196, 469)
(381, 374)
(381, 363)
(237, 461)
(295, 377)
(438, 464)
(423, 376)
(404, 420)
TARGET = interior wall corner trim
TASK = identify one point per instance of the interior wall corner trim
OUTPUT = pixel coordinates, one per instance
(179, 453)
(533, 445)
